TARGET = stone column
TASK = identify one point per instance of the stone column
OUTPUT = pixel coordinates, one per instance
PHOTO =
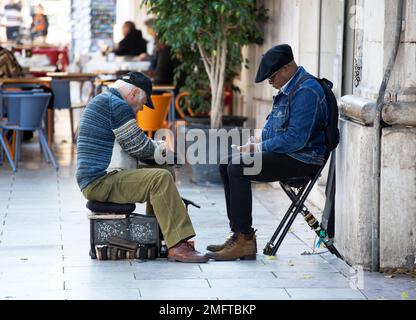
(355, 187)
(354, 190)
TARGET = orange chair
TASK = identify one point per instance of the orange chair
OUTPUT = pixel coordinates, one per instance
(152, 120)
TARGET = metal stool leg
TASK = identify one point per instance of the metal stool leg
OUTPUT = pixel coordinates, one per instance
(268, 250)
(301, 197)
(6, 151)
(17, 148)
(48, 150)
(315, 225)
(300, 200)
(1, 150)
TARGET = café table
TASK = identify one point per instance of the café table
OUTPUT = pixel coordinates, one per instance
(81, 77)
(46, 81)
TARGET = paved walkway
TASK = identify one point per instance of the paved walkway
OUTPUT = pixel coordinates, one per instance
(44, 244)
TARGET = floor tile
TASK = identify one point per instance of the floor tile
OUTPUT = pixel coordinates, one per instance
(44, 246)
(325, 294)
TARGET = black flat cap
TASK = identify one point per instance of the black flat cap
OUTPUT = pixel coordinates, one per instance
(273, 60)
(139, 80)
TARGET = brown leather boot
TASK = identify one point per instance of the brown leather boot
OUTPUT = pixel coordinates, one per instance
(219, 247)
(185, 252)
(240, 246)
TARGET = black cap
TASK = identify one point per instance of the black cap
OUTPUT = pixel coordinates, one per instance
(139, 80)
(273, 60)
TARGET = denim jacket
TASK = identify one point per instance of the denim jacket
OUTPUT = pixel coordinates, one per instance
(297, 130)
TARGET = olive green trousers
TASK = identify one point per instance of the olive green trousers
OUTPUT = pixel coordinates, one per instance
(156, 187)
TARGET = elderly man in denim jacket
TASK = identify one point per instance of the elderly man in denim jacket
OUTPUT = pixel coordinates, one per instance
(292, 145)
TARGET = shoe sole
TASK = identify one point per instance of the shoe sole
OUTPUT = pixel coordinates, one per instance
(213, 250)
(186, 261)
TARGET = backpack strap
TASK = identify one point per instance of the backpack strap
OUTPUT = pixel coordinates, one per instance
(293, 91)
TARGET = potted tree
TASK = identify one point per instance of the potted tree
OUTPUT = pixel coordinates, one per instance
(207, 37)
(196, 96)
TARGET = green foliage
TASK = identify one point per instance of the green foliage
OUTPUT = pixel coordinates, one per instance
(185, 24)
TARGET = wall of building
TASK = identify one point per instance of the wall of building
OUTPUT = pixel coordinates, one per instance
(398, 203)
(355, 180)
(316, 44)
(319, 45)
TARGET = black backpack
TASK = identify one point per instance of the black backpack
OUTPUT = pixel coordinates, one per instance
(331, 131)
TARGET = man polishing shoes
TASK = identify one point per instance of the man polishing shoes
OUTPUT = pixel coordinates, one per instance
(110, 120)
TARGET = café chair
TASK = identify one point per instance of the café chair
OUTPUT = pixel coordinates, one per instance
(8, 90)
(152, 120)
(61, 100)
(25, 112)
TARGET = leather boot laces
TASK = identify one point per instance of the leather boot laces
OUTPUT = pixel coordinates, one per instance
(190, 246)
(231, 241)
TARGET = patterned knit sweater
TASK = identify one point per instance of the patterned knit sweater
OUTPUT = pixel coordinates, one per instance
(106, 121)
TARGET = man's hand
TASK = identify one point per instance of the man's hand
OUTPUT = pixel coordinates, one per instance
(255, 139)
(161, 147)
(251, 146)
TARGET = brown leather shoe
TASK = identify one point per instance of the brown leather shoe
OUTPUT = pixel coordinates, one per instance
(185, 252)
(240, 246)
(219, 247)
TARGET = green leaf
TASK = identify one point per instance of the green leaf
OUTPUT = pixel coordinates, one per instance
(186, 24)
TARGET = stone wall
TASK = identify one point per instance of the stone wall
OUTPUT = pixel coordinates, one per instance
(298, 23)
(398, 199)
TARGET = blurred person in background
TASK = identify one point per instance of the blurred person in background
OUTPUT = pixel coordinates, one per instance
(162, 65)
(40, 24)
(12, 20)
(133, 43)
(9, 67)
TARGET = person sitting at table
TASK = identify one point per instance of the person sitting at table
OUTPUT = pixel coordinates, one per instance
(9, 67)
(12, 16)
(133, 43)
(162, 65)
(40, 24)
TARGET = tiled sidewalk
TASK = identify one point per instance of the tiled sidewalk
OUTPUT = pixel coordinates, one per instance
(44, 243)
